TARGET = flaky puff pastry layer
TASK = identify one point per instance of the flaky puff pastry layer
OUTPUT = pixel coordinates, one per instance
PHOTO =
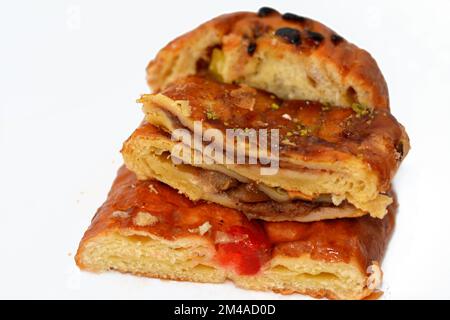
(147, 228)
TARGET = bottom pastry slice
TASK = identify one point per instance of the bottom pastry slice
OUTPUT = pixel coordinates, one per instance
(147, 228)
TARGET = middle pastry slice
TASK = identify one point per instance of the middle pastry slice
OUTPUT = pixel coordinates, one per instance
(271, 159)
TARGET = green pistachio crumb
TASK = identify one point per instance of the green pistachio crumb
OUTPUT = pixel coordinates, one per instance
(303, 130)
(275, 106)
(211, 115)
(360, 109)
(288, 142)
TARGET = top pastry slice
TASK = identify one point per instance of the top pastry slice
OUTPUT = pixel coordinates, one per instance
(289, 55)
(326, 153)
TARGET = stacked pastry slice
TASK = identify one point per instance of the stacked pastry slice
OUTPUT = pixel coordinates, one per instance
(311, 214)
(333, 162)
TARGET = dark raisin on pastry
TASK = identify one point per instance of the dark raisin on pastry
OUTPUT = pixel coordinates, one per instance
(290, 35)
(251, 48)
(316, 37)
(293, 17)
(336, 39)
(266, 11)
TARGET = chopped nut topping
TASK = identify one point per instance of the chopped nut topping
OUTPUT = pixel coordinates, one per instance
(144, 219)
(204, 228)
(286, 116)
(260, 123)
(223, 237)
(120, 214)
(152, 188)
(288, 142)
(201, 230)
(275, 106)
(303, 130)
(210, 114)
(360, 109)
(245, 96)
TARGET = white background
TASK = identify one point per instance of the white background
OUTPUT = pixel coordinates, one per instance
(70, 72)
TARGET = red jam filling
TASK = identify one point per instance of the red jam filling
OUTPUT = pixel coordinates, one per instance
(247, 250)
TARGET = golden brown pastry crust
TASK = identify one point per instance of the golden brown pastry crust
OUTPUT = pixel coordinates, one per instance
(143, 212)
(335, 70)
